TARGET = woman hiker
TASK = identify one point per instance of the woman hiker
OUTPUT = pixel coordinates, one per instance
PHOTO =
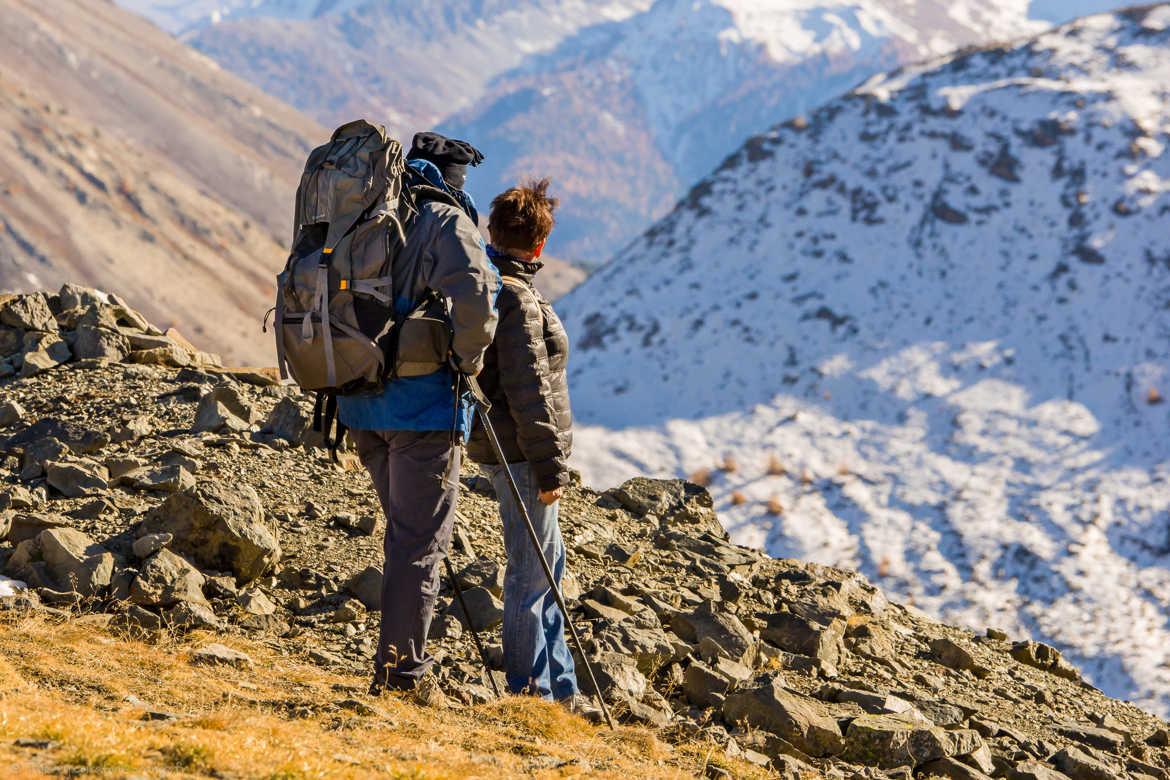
(524, 378)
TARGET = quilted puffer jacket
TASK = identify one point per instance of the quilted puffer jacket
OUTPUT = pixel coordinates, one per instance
(524, 378)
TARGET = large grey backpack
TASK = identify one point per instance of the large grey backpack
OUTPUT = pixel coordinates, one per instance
(334, 301)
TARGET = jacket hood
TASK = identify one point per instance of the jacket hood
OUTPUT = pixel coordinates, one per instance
(434, 177)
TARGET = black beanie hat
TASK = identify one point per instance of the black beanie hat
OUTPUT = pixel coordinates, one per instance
(450, 156)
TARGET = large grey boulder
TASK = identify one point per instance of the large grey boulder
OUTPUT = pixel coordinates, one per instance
(220, 528)
(951, 654)
(28, 525)
(63, 560)
(704, 686)
(171, 355)
(889, 741)
(76, 479)
(797, 634)
(366, 585)
(222, 408)
(214, 417)
(165, 479)
(74, 296)
(28, 312)
(486, 610)
(166, 579)
(1045, 657)
(254, 602)
(725, 629)
(81, 439)
(482, 573)
(37, 453)
(192, 614)
(804, 722)
(650, 647)
(10, 413)
(41, 360)
(618, 676)
(1085, 764)
(292, 422)
(91, 342)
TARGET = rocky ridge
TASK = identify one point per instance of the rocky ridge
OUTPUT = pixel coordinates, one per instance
(161, 493)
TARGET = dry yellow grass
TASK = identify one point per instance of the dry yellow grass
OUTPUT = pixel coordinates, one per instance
(85, 690)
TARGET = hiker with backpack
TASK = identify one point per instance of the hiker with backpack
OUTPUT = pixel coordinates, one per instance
(386, 304)
(524, 379)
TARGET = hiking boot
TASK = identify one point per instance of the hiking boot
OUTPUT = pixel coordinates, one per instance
(582, 705)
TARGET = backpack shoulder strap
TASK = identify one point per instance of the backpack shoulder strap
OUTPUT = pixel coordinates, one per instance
(523, 288)
(519, 284)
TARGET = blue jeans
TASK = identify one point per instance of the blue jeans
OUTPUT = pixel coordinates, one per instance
(536, 657)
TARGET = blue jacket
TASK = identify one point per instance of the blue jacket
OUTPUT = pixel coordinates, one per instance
(445, 252)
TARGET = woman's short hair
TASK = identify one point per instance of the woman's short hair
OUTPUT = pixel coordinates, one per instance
(522, 217)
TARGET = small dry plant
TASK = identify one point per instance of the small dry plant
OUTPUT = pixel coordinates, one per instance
(776, 467)
(702, 478)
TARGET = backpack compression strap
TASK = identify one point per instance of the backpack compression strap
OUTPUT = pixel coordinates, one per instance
(325, 418)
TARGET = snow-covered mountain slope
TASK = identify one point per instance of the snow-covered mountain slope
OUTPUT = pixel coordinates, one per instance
(624, 102)
(930, 327)
(628, 114)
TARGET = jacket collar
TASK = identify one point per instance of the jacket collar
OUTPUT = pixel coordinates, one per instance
(514, 266)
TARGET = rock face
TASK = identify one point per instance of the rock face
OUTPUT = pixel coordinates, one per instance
(219, 527)
(804, 667)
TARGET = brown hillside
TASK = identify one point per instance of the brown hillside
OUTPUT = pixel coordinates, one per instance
(132, 162)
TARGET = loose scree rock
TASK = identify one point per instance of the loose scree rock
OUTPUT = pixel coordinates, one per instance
(121, 493)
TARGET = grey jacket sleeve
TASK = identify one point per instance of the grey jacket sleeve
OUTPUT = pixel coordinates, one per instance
(460, 269)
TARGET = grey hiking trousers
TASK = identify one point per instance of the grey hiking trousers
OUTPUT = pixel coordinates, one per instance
(408, 469)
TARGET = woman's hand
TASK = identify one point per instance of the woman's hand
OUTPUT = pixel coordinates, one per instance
(550, 497)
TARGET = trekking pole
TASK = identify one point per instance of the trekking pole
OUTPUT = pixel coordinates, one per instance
(474, 634)
(484, 405)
